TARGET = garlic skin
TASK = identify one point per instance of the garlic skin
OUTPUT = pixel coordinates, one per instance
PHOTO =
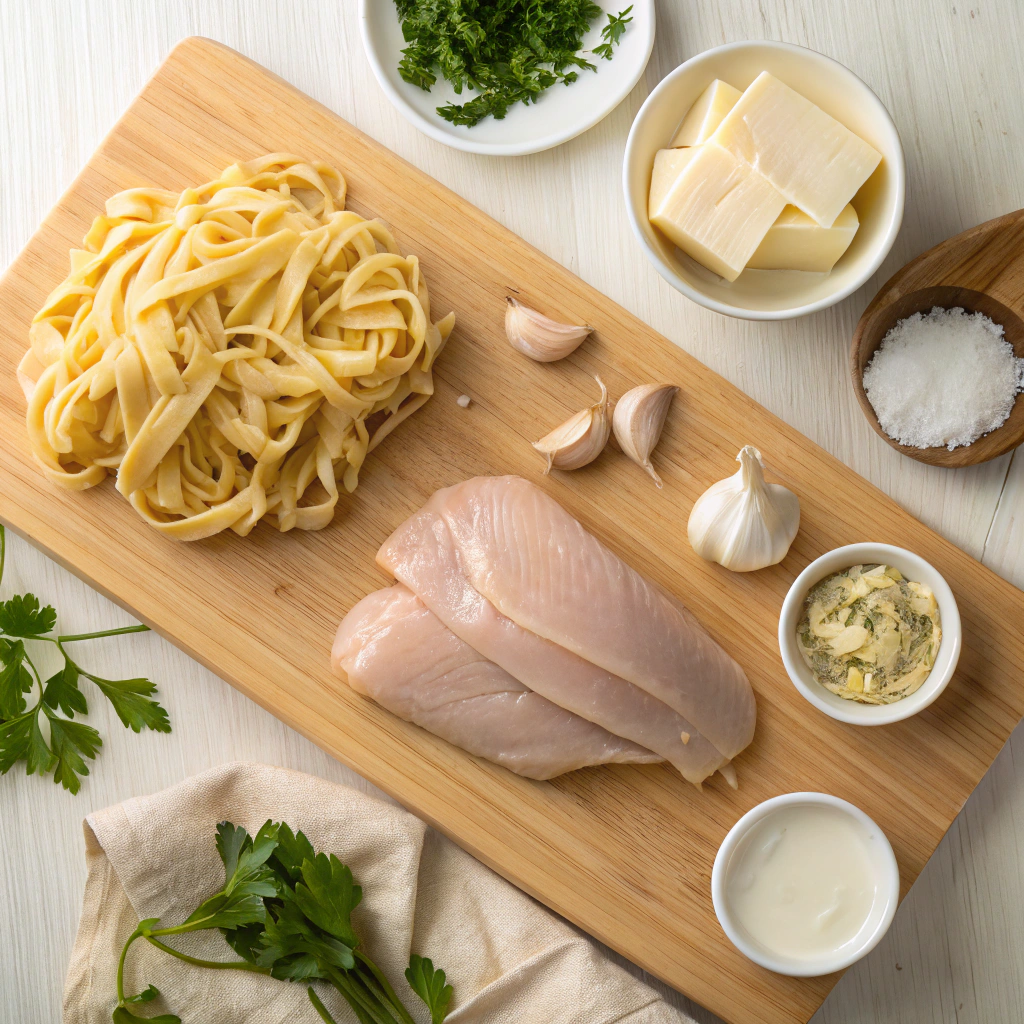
(580, 439)
(742, 522)
(638, 420)
(538, 336)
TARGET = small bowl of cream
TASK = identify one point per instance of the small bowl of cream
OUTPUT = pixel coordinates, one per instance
(805, 884)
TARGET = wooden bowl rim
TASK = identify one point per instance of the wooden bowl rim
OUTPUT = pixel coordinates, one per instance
(1010, 434)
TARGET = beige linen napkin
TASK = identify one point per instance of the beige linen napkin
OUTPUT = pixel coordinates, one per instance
(507, 958)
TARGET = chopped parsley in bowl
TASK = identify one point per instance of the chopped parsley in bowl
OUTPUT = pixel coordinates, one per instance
(506, 53)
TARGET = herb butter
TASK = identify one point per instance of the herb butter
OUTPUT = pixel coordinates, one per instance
(870, 635)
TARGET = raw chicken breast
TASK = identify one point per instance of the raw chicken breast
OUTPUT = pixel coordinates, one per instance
(423, 555)
(393, 649)
(539, 567)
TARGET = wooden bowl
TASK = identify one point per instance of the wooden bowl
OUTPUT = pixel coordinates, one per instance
(982, 270)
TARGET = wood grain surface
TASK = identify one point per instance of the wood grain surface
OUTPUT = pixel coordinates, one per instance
(980, 270)
(625, 852)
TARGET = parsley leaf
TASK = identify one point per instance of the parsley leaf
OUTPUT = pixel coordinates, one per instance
(244, 858)
(17, 743)
(231, 840)
(507, 53)
(294, 949)
(227, 911)
(612, 33)
(22, 740)
(69, 741)
(148, 994)
(244, 939)
(247, 880)
(292, 850)
(22, 616)
(61, 691)
(15, 679)
(23, 621)
(132, 704)
(429, 985)
(329, 896)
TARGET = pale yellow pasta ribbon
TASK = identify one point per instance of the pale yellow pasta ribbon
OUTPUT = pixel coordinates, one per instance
(231, 352)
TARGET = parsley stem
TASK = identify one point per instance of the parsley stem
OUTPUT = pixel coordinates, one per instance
(120, 965)
(359, 997)
(380, 995)
(319, 1007)
(217, 965)
(39, 680)
(102, 633)
(385, 985)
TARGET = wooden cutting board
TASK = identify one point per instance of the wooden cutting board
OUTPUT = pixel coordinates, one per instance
(624, 851)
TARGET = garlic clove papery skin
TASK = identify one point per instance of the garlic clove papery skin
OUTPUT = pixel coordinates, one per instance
(742, 522)
(638, 420)
(540, 337)
(580, 439)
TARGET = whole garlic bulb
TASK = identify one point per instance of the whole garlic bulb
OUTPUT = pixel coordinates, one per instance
(581, 438)
(742, 522)
(540, 337)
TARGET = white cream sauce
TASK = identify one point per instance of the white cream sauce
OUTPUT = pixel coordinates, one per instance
(802, 882)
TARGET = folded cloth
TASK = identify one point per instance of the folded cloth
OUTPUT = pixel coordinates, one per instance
(507, 958)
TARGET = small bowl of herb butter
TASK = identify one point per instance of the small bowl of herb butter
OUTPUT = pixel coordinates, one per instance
(506, 79)
(870, 633)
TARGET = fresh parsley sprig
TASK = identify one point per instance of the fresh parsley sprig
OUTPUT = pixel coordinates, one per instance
(59, 698)
(612, 33)
(507, 52)
(429, 984)
(286, 910)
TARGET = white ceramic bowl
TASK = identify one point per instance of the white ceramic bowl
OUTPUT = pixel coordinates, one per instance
(770, 294)
(883, 909)
(914, 568)
(560, 114)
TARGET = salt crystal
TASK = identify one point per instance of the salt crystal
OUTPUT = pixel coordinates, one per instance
(943, 378)
(463, 401)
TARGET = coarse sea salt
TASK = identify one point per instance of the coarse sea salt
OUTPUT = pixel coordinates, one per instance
(943, 378)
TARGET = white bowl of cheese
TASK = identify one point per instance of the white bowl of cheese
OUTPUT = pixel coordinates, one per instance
(770, 294)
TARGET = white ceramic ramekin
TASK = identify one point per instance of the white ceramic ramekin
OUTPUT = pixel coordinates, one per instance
(770, 294)
(887, 892)
(913, 568)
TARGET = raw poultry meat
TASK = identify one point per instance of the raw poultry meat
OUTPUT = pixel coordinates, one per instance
(392, 648)
(539, 569)
(423, 555)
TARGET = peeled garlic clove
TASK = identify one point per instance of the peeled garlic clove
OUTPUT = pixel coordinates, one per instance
(742, 522)
(580, 439)
(538, 336)
(638, 421)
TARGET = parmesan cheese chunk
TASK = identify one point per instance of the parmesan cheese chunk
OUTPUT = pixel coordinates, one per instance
(718, 210)
(797, 242)
(706, 114)
(814, 161)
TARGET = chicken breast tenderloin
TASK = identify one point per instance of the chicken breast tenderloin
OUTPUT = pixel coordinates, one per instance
(392, 648)
(539, 567)
(424, 556)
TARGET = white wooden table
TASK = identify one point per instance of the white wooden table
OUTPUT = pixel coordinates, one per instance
(952, 76)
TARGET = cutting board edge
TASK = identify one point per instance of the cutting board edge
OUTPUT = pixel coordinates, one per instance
(184, 47)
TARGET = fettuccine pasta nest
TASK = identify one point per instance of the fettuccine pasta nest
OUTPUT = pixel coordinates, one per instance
(225, 350)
